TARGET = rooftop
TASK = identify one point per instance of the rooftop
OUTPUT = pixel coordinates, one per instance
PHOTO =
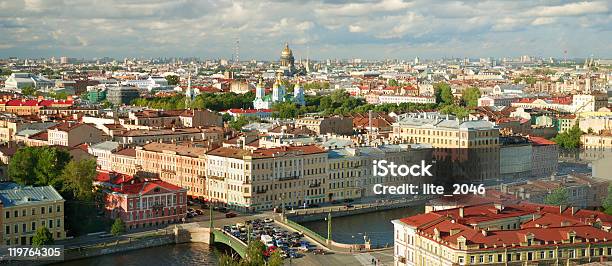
(12, 194)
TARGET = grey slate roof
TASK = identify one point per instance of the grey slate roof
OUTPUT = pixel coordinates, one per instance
(12, 194)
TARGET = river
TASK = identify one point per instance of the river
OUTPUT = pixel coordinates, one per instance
(376, 225)
(181, 254)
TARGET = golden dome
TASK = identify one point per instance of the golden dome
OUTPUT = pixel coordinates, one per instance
(287, 51)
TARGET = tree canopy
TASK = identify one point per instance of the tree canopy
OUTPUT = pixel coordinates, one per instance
(118, 227)
(569, 139)
(78, 177)
(173, 80)
(42, 237)
(443, 93)
(470, 96)
(607, 203)
(456, 110)
(558, 196)
(38, 166)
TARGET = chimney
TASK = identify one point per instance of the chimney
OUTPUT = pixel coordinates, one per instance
(461, 212)
(484, 232)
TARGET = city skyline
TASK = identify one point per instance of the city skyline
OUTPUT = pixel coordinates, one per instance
(334, 29)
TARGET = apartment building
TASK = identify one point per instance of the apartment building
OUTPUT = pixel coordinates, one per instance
(322, 125)
(143, 136)
(124, 161)
(267, 178)
(104, 152)
(601, 141)
(546, 154)
(145, 203)
(582, 191)
(182, 165)
(442, 131)
(72, 133)
(175, 118)
(25, 209)
(515, 157)
(494, 234)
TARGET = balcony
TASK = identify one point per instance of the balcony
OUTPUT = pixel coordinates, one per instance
(286, 178)
(220, 178)
(315, 185)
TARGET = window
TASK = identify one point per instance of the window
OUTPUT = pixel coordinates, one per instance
(7, 229)
(542, 254)
(42, 210)
(50, 223)
(500, 257)
(551, 254)
(23, 228)
(7, 214)
(16, 214)
(481, 258)
(572, 254)
(490, 258)
(58, 208)
(23, 212)
(33, 226)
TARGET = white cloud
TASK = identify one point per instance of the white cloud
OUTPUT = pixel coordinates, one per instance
(571, 9)
(355, 28)
(359, 9)
(543, 21)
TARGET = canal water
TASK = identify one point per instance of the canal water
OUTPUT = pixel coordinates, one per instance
(376, 226)
(181, 254)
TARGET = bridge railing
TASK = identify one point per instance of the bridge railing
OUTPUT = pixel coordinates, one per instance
(312, 234)
(230, 240)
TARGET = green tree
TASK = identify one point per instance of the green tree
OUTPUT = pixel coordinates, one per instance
(239, 122)
(456, 110)
(227, 260)
(286, 110)
(607, 203)
(255, 253)
(173, 80)
(275, 259)
(38, 166)
(530, 80)
(42, 237)
(569, 139)
(392, 82)
(557, 197)
(470, 96)
(28, 91)
(443, 93)
(78, 177)
(118, 227)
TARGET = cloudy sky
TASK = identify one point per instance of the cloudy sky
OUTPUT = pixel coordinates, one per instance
(319, 29)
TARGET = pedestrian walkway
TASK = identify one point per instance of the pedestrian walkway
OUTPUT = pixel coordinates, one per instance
(364, 258)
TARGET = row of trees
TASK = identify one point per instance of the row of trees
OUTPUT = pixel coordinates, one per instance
(212, 101)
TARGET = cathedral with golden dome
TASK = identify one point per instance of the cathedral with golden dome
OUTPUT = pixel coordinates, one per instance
(287, 61)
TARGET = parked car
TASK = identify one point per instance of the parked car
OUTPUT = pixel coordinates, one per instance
(230, 215)
(319, 251)
(268, 220)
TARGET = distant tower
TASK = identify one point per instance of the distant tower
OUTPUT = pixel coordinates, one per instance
(278, 90)
(237, 52)
(416, 60)
(298, 94)
(260, 90)
(189, 95)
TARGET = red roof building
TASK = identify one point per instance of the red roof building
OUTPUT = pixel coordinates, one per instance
(142, 202)
(492, 233)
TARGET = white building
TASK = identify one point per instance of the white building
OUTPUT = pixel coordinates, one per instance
(18, 81)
